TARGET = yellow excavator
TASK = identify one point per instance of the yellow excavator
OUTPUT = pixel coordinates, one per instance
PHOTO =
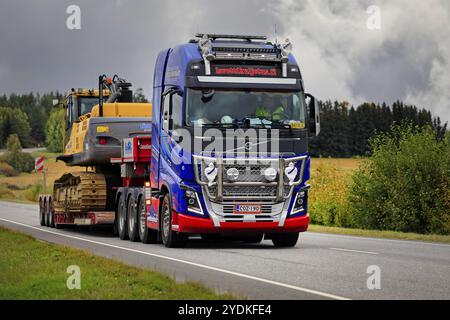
(95, 124)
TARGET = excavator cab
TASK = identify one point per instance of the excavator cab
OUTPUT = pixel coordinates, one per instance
(79, 103)
(96, 121)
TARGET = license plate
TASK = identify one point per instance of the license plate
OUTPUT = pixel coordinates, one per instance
(247, 208)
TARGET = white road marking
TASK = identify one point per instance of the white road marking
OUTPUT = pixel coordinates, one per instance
(356, 251)
(242, 275)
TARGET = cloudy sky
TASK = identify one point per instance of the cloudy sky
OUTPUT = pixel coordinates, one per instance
(407, 58)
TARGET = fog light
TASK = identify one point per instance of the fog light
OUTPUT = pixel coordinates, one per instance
(233, 174)
(270, 174)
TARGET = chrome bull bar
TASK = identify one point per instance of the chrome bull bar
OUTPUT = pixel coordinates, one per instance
(216, 189)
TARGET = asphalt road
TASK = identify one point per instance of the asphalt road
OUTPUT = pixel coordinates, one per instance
(322, 266)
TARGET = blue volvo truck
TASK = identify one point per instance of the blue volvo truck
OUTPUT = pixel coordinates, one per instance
(230, 129)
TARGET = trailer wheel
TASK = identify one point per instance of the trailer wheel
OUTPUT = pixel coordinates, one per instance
(42, 212)
(122, 217)
(145, 234)
(170, 238)
(132, 224)
(47, 214)
(52, 213)
(285, 240)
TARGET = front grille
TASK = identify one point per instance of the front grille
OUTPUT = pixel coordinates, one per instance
(248, 192)
(251, 183)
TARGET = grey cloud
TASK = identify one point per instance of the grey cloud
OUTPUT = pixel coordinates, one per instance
(341, 59)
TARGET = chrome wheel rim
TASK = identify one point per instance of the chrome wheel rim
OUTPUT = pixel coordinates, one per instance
(143, 218)
(132, 217)
(121, 216)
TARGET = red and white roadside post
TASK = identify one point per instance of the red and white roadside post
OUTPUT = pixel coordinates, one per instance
(39, 167)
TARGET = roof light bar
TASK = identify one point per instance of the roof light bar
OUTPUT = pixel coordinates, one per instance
(229, 36)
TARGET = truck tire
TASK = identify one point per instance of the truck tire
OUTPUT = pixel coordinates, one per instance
(47, 214)
(145, 234)
(52, 213)
(170, 238)
(42, 212)
(122, 217)
(133, 232)
(285, 240)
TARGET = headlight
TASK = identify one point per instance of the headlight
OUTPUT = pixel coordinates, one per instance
(270, 174)
(233, 174)
(300, 202)
(193, 202)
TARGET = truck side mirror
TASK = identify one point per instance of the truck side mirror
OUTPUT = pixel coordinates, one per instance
(314, 115)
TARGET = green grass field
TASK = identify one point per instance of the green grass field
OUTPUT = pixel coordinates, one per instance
(32, 269)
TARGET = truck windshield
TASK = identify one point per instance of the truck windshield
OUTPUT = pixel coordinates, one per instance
(258, 108)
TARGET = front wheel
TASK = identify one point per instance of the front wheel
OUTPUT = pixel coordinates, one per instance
(285, 240)
(170, 238)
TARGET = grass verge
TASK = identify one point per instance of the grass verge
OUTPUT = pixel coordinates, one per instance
(32, 269)
(380, 234)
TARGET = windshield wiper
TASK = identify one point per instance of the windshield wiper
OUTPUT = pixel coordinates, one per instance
(220, 125)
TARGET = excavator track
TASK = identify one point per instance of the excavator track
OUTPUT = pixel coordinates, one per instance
(80, 192)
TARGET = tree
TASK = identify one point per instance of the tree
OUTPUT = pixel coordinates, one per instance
(139, 96)
(53, 131)
(13, 144)
(20, 161)
(14, 121)
(405, 185)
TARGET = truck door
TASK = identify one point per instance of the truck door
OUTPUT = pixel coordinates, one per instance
(171, 120)
(158, 89)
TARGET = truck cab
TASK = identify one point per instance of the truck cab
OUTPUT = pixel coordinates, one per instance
(230, 129)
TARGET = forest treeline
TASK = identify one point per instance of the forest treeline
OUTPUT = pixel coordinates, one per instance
(345, 129)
